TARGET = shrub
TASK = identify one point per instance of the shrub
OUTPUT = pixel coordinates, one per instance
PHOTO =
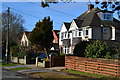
(25, 53)
(96, 50)
(62, 54)
(15, 50)
(79, 49)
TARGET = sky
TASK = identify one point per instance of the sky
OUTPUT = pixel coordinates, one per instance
(61, 12)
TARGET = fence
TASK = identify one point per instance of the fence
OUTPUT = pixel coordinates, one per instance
(57, 61)
(107, 67)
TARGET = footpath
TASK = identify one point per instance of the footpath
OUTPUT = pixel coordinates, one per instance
(35, 69)
(56, 70)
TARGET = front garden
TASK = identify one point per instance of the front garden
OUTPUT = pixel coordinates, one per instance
(95, 57)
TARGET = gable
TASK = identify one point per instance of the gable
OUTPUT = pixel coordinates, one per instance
(63, 28)
(73, 26)
(24, 37)
(55, 35)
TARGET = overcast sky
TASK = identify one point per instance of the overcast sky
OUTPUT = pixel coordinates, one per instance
(59, 13)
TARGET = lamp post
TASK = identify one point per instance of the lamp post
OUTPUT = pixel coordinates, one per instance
(7, 39)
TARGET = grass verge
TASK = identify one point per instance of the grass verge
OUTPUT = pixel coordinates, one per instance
(20, 68)
(91, 75)
(53, 76)
(6, 65)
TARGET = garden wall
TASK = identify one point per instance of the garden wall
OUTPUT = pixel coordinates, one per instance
(18, 60)
(107, 67)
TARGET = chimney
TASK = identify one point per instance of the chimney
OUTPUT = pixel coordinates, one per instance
(90, 6)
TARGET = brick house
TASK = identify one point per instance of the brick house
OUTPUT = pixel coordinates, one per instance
(55, 45)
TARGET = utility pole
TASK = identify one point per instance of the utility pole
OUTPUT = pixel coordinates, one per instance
(7, 38)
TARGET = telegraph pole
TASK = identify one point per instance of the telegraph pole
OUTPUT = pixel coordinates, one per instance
(7, 39)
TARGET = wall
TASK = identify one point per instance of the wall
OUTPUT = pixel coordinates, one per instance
(107, 35)
(19, 61)
(96, 31)
(107, 67)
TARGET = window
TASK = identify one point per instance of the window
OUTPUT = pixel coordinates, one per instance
(76, 32)
(104, 30)
(66, 49)
(62, 35)
(79, 34)
(86, 32)
(107, 16)
(68, 35)
(73, 33)
(65, 34)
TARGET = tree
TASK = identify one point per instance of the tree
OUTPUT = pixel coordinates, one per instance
(45, 3)
(96, 50)
(79, 49)
(16, 27)
(15, 30)
(41, 37)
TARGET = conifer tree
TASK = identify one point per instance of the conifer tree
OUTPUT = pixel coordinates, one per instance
(41, 37)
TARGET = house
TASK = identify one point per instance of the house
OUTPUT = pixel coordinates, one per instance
(55, 44)
(91, 25)
(25, 43)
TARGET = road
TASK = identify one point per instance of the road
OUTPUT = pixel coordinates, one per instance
(11, 75)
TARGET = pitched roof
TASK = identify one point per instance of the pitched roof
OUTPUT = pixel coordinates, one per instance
(78, 22)
(92, 19)
(67, 25)
(27, 33)
(57, 32)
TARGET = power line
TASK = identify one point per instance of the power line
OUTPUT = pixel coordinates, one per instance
(28, 14)
(55, 10)
(23, 12)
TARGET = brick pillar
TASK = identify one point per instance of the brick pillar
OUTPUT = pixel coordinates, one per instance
(37, 61)
(25, 60)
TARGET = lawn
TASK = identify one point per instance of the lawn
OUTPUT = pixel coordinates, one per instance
(53, 76)
(20, 68)
(6, 65)
(92, 75)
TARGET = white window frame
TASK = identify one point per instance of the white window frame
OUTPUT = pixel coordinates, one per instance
(84, 32)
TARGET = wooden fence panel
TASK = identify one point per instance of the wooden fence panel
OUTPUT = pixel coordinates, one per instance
(107, 67)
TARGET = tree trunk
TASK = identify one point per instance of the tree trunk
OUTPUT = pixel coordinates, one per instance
(46, 53)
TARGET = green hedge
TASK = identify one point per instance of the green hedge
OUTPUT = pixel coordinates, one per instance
(21, 54)
(15, 50)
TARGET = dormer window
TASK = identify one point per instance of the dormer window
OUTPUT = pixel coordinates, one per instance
(107, 16)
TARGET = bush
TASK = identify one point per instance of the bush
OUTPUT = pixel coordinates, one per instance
(79, 49)
(97, 50)
(25, 53)
(62, 54)
(15, 50)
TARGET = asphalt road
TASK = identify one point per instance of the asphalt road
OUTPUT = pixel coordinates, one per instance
(11, 75)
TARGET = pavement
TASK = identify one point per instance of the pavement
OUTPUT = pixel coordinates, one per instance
(36, 69)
